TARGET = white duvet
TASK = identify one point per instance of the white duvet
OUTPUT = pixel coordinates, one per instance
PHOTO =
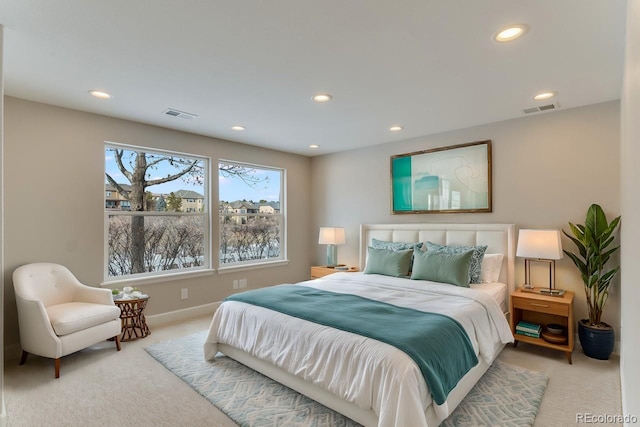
(363, 371)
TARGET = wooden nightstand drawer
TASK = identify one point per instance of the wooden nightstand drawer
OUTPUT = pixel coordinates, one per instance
(541, 306)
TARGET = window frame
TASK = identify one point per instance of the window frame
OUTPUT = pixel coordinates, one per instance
(253, 264)
(163, 275)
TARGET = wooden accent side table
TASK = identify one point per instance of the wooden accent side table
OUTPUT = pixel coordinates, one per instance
(134, 324)
(543, 310)
(323, 270)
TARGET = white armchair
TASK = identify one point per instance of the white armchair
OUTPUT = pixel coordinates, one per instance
(58, 315)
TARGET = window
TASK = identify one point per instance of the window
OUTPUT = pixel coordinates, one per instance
(249, 233)
(148, 230)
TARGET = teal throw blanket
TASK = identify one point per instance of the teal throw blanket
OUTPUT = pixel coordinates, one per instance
(437, 343)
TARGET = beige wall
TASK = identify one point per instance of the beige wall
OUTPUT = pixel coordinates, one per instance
(49, 149)
(630, 206)
(547, 170)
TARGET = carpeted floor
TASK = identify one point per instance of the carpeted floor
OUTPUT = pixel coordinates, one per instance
(506, 395)
(100, 386)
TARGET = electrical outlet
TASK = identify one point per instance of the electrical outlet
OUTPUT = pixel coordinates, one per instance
(235, 284)
(184, 293)
(242, 283)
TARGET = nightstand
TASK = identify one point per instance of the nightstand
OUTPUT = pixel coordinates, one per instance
(543, 309)
(323, 270)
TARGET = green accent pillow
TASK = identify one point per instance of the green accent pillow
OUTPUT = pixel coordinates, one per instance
(388, 262)
(476, 260)
(442, 267)
(396, 246)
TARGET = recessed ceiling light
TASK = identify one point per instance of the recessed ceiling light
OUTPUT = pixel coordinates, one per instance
(238, 128)
(511, 32)
(396, 128)
(100, 94)
(314, 146)
(322, 97)
(544, 95)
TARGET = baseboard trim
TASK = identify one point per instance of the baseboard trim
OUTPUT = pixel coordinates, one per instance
(182, 314)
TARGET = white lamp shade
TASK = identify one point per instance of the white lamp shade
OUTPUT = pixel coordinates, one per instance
(331, 236)
(543, 244)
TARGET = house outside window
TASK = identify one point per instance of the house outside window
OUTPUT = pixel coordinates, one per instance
(143, 235)
(249, 234)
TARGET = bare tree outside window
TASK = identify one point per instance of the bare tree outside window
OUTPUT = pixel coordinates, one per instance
(157, 211)
(149, 230)
(143, 170)
(140, 238)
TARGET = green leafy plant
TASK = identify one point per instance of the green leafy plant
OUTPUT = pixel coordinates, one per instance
(593, 240)
(115, 291)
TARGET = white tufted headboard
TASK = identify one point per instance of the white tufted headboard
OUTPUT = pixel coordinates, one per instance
(500, 238)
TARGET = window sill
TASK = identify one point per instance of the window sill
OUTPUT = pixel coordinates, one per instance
(235, 268)
(146, 280)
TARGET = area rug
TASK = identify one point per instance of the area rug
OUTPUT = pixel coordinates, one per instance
(505, 396)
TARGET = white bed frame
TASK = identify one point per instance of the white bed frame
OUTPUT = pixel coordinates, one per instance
(498, 237)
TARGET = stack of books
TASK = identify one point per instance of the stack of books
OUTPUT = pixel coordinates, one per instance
(528, 329)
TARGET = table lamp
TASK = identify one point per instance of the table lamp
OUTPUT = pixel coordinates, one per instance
(331, 236)
(540, 246)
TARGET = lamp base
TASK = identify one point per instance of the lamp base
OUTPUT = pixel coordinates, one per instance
(543, 291)
(332, 255)
(552, 292)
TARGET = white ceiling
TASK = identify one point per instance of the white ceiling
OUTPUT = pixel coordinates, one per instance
(428, 65)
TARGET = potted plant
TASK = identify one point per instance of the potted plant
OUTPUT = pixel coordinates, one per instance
(593, 240)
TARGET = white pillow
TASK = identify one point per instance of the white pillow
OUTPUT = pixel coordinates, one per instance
(490, 269)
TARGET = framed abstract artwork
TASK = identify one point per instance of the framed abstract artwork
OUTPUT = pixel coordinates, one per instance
(451, 179)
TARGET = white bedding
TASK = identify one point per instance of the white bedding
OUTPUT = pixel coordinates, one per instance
(368, 373)
(498, 291)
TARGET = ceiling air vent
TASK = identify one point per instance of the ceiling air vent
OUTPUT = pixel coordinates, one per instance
(548, 107)
(177, 113)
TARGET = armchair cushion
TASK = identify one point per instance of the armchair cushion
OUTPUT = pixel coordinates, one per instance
(71, 317)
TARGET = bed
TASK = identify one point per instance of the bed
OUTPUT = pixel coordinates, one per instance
(369, 380)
